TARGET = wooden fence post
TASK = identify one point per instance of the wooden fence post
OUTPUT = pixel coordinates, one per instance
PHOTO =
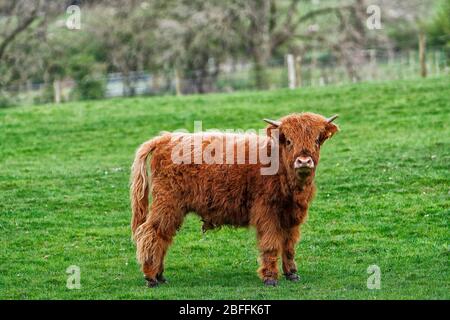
(291, 70)
(57, 90)
(178, 82)
(422, 57)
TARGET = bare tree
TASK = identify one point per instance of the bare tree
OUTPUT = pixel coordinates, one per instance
(416, 13)
(22, 23)
(18, 16)
(344, 33)
(196, 37)
(266, 26)
(125, 30)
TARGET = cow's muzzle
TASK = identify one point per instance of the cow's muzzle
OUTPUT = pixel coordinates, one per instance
(303, 165)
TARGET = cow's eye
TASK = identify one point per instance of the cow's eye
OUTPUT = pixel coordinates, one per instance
(288, 142)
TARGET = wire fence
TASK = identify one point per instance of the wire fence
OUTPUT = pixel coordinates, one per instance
(313, 69)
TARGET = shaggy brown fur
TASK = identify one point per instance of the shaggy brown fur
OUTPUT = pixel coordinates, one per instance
(224, 194)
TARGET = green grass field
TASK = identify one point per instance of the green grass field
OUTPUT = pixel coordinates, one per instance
(383, 197)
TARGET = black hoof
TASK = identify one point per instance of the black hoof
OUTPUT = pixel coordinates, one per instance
(161, 278)
(270, 283)
(151, 283)
(292, 277)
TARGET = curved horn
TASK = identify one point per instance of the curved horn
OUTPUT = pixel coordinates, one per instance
(273, 122)
(332, 118)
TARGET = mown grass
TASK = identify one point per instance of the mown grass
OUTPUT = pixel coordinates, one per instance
(383, 197)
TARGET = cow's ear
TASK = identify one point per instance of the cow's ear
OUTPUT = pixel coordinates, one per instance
(330, 130)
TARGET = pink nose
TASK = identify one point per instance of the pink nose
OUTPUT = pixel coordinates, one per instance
(304, 162)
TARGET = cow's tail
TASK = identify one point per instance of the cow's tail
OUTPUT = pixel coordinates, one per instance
(140, 184)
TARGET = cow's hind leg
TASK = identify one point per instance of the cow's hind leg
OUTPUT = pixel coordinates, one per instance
(153, 238)
(269, 241)
(291, 237)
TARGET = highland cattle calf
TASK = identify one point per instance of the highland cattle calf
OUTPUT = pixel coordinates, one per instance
(227, 185)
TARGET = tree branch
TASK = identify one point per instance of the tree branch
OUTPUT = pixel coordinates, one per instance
(20, 28)
(284, 35)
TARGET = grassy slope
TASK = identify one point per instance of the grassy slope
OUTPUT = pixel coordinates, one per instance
(383, 197)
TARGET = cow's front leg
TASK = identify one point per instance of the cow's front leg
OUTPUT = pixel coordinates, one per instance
(291, 237)
(270, 246)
